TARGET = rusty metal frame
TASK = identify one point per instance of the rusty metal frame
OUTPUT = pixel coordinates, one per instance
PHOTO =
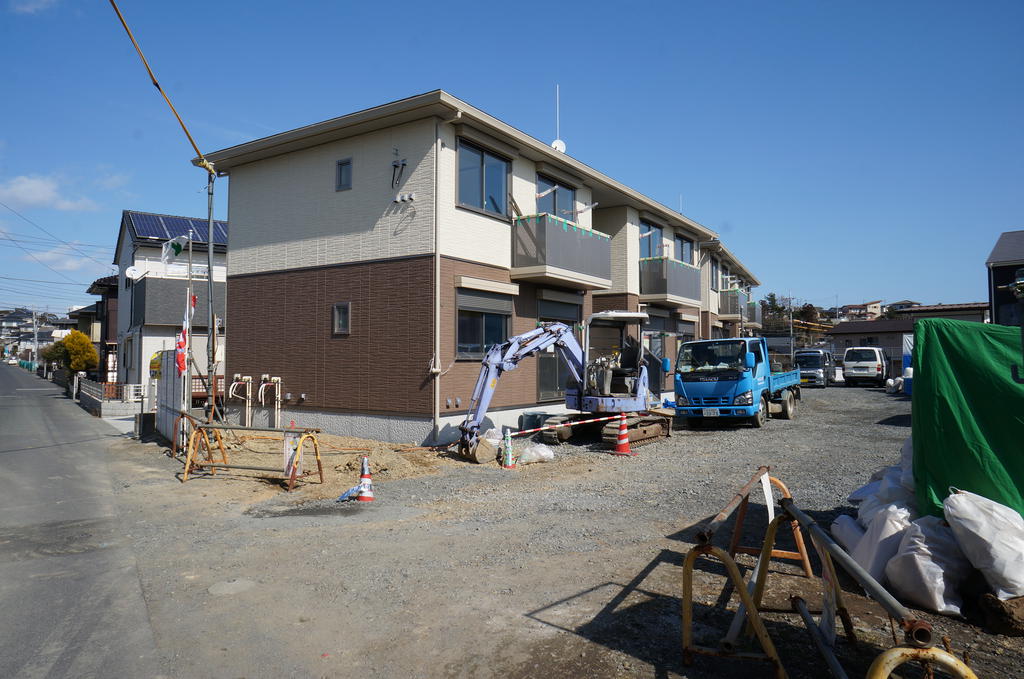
(769, 654)
(801, 549)
(889, 660)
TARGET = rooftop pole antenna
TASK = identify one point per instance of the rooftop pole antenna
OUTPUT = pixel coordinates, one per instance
(558, 144)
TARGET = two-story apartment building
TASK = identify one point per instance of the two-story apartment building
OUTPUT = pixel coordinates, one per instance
(376, 256)
(151, 295)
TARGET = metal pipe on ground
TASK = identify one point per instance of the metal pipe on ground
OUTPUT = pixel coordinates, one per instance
(918, 632)
(800, 606)
(705, 534)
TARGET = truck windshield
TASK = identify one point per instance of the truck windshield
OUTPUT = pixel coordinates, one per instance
(808, 360)
(711, 356)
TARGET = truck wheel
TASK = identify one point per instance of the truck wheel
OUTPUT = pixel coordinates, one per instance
(788, 406)
(758, 420)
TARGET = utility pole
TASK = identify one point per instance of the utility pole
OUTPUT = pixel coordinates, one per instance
(211, 328)
(35, 341)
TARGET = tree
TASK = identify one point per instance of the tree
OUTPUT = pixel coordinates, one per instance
(808, 312)
(55, 353)
(81, 353)
(773, 307)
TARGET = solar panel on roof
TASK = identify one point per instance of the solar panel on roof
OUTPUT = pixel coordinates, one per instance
(148, 226)
(220, 233)
(180, 226)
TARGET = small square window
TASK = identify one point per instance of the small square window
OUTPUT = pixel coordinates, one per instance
(341, 320)
(343, 176)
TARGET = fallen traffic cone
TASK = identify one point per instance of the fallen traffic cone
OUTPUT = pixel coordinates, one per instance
(365, 482)
(622, 445)
(364, 491)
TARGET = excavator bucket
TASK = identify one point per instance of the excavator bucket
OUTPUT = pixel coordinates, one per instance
(483, 452)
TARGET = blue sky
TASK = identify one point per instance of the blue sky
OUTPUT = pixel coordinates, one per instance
(868, 150)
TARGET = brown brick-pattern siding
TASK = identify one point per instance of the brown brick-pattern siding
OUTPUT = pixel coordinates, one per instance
(517, 388)
(617, 302)
(281, 324)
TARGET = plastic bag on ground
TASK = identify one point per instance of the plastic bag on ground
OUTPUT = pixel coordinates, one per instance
(535, 452)
(991, 536)
(847, 532)
(907, 464)
(492, 435)
(890, 386)
(864, 492)
(881, 541)
(929, 567)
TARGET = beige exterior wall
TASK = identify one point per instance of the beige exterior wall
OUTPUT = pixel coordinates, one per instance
(285, 212)
(710, 300)
(477, 237)
(623, 225)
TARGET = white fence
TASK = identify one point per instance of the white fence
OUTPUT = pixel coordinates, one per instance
(111, 391)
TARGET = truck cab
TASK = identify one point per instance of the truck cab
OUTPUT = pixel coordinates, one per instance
(732, 378)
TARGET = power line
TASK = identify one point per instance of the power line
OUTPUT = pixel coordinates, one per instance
(50, 234)
(36, 258)
(39, 240)
(34, 280)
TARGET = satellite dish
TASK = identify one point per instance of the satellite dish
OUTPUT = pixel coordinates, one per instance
(558, 145)
(132, 272)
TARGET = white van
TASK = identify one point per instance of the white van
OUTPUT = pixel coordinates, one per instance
(865, 364)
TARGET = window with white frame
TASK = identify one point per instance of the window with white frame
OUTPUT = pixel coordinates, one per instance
(650, 240)
(555, 198)
(341, 321)
(343, 175)
(483, 179)
(715, 272)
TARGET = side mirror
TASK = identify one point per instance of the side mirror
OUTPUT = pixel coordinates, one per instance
(748, 360)
(666, 365)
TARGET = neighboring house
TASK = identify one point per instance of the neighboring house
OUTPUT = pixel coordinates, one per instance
(900, 305)
(970, 311)
(64, 326)
(376, 256)
(106, 314)
(887, 334)
(1006, 258)
(866, 312)
(152, 296)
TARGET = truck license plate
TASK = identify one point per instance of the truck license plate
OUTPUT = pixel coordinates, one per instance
(711, 412)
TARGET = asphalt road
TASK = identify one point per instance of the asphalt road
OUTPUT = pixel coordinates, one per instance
(69, 587)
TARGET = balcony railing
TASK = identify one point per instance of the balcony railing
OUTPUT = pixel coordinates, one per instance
(663, 279)
(732, 304)
(550, 249)
(755, 315)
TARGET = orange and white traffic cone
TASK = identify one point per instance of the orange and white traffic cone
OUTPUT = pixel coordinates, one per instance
(622, 445)
(365, 482)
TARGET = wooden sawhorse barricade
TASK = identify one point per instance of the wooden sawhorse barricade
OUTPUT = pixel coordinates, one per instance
(199, 441)
(918, 642)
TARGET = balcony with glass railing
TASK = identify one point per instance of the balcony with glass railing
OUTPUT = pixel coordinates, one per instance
(664, 280)
(556, 251)
(755, 317)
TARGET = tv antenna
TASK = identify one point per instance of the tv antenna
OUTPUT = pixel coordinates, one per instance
(558, 144)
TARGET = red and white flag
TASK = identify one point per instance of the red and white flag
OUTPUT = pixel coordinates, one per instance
(181, 348)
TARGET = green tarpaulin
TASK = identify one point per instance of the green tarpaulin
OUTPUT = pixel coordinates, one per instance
(968, 419)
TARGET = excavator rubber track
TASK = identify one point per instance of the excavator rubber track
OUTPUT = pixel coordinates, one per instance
(643, 429)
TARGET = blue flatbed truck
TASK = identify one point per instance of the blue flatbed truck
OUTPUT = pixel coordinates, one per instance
(732, 379)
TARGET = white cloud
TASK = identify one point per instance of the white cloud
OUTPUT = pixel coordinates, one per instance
(38, 191)
(112, 180)
(65, 258)
(30, 6)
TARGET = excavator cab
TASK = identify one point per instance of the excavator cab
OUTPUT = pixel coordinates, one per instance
(614, 356)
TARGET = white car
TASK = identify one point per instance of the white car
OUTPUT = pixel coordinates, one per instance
(12, 361)
(865, 364)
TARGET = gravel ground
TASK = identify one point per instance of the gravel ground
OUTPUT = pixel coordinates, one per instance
(564, 569)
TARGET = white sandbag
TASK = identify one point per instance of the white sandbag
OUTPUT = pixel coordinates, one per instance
(907, 464)
(847, 532)
(929, 567)
(890, 386)
(991, 536)
(890, 491)
(897, 385)
(864, 492)
(881, 541)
